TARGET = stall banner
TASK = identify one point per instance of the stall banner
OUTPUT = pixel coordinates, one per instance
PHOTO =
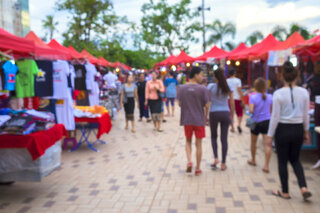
(277, 58)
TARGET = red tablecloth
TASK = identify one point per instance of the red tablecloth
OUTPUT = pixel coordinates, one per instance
(36, 143)
(104, 122)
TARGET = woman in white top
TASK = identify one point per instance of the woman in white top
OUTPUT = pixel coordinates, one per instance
(289, 125)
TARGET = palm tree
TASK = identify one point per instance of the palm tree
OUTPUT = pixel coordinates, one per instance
(50, 25)
(220, 30)
(230, 45)
(254, 38)
(280, 33)
(297, 28)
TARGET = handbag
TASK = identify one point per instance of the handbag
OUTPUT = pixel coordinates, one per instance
(250, 123)
(161, 95)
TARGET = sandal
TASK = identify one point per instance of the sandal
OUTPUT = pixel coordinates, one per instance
(306, 195)
(133, 131)
(278, 194)
(266, 171)
(214, 165)
(251, 163)
(198, 172)
(160, 130)
(189, 167)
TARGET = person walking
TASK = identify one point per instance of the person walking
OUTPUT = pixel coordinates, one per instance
(141, 84)
(260, 105)
(220, 114)
(171, 85)
(194, 102)
(236, 88)
(129, 95)
(154, 88)
(289, 124)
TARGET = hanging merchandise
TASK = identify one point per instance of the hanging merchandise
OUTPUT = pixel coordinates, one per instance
(31, 103)
(60, 79)
(64, 112)
(83, 98)
(44, 79)
(9, 71)
(80, 77)
(92, 84)
(25, 78)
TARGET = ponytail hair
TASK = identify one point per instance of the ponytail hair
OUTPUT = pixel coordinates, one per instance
(290, 74)
(261, 86)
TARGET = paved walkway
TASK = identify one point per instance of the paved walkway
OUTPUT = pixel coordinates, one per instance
(144, 172)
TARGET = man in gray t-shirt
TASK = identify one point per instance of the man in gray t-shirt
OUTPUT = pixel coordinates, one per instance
(194, 102)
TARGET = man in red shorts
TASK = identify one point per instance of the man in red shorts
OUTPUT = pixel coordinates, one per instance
(236, 86)
(194, 102)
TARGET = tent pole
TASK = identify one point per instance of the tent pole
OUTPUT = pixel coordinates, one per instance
(249, 73)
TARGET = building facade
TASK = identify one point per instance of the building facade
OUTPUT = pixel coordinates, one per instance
(14, 16)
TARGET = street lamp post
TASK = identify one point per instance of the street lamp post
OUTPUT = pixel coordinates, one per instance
(203, 9)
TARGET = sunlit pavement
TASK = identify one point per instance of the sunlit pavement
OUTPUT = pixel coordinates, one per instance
(144, 172)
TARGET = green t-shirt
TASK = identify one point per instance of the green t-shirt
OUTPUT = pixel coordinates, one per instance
(25, 78)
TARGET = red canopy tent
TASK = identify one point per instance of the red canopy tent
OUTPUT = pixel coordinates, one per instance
(291, 42)
(258, 51)
(238, 49)
(75, 53)
(215, 52)
(42, 50)
(16, 45)
(165, 61)
(181, 58)
(103, 62)
(90, 57)
(55, 45)
(309, 48)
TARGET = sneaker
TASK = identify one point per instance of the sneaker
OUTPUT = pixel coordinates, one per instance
(317, 165)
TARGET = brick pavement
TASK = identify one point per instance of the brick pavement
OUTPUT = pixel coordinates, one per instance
(144, 172)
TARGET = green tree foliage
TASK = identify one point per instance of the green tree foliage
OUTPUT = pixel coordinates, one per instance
(168, 27)
(50, 25)
(254, 38)
(279, 32)
(298, 28)
(229, 45)
(219, 31)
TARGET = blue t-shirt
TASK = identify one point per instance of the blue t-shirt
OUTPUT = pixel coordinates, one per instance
(262, 108)
(171, 87)
(219, 102)
(10, 71)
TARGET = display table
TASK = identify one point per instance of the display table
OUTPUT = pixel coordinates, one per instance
(30, 157)
(89, 125)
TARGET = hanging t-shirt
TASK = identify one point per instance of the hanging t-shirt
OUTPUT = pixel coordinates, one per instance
(92, 84)
(80, 78)
(44, 79)
(10, 71)
(60, 79)
(64, 112)
(25, 78)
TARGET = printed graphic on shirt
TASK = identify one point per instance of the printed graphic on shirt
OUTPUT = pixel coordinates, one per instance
(41, 76)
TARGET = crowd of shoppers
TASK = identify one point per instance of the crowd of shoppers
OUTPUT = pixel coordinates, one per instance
(283, 116)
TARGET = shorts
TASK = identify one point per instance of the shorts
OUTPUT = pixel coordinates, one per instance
(198, 130)
(156, 117)
(261, 128)
(170, 100)
(238, 108)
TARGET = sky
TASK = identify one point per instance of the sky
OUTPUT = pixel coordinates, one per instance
(247, 15)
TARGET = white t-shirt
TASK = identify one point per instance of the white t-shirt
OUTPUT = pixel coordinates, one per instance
(111, 79)
(288, 111)
(92, 85)
(234, 84)
(61, 71)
